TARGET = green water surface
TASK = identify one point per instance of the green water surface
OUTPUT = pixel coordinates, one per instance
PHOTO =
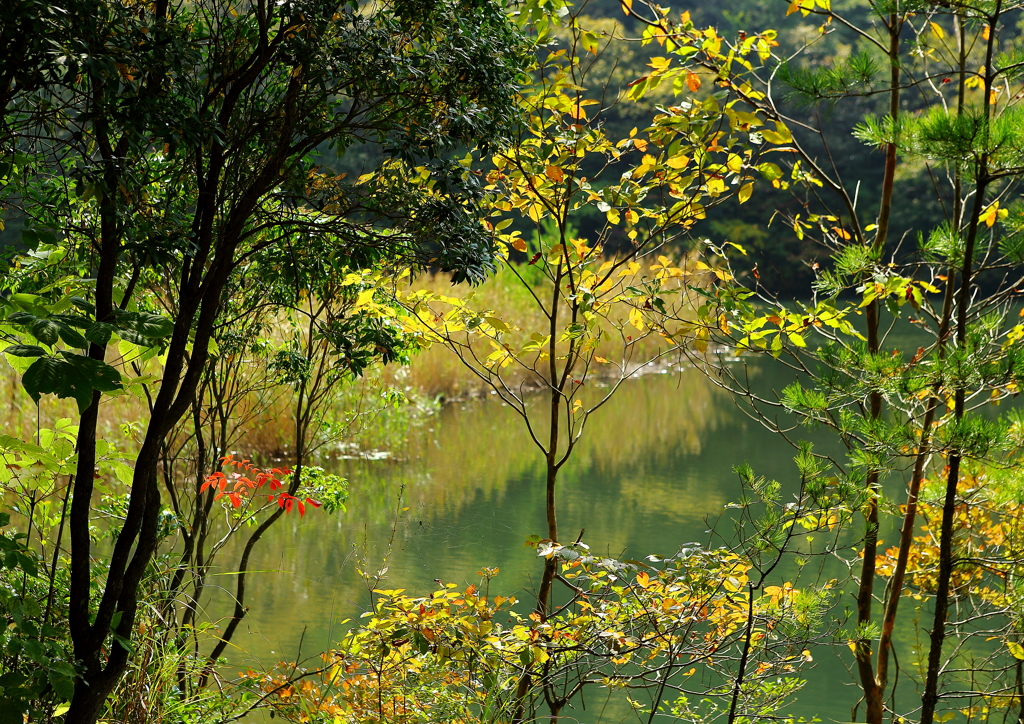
(653, 472)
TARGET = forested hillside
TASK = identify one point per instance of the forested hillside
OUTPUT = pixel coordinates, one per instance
(484, 362)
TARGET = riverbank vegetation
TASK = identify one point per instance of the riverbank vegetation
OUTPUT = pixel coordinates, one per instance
(248, 241)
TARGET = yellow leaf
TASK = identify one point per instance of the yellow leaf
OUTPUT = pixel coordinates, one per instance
(613, 215)
(660, 64)
(636, 319)
(678, 161)
(576, 406)
(793, 7)
(990, 214)
(365, 297)
(1016, 650)
(643, 579)
(986, 32)
(937, 31)
(498, 325)
(554, 173)
(692, 81)
(632, 217)
(700, 342)
(627, 5)
(735, 163)
(745, 191)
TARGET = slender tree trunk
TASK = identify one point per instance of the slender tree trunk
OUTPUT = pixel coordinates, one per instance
(874, 694)
(551, 454)
(930, 698)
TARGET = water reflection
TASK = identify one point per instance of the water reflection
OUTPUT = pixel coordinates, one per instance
(654, 467)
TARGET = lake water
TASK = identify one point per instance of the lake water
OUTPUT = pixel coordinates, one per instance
(654, 471)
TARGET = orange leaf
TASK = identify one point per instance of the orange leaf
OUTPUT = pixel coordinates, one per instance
(692, 81)
(554, 173)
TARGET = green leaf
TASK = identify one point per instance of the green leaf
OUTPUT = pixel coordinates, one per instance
(103, 377)
(70, 375)
(28, 564)
(84, 304)
(63, 685)
(770, 171)
(72, 320)
(32, 303)
(12, 680)
(46, 376)
(70, 336)
(45, 330)
(25, 350)
(100, 333)
(12, 710)
(144, 328)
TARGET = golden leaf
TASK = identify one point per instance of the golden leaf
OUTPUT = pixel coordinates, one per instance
(554, 173)
(678, 161)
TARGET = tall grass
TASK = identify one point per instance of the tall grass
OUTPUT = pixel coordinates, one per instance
(433, 374)
(439, 374)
